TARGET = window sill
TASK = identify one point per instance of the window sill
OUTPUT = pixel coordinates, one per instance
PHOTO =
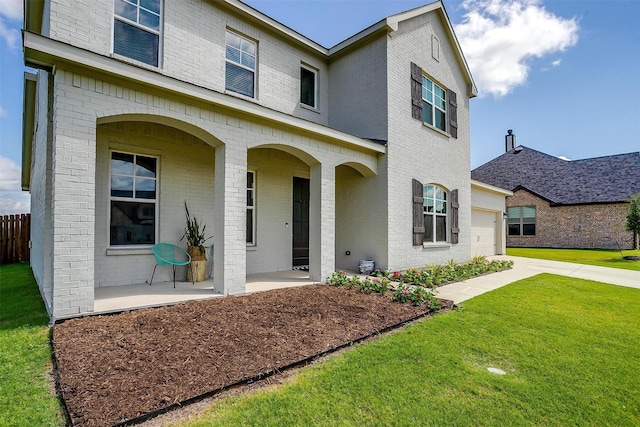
(435, 245)
(135, 62)
(144, 250)
(427, 125)
(252, 247)
(310, 108)
(241, 96)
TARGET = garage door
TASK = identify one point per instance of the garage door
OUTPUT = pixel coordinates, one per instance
(483, 230)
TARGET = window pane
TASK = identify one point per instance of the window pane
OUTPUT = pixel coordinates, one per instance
(146, 166)
(514, 229)
(121, 186)
(249, 197)
(132, 223)
(145, 188)
(249, 179)
(135, 43)
(248, 61)
(233, 40)
(427, 113)
(514, 213)
(440, 120)
(233, 54)
(529, 212)
(428, 228)
(239, 80)
(121, 164)
(248, 47)
(441, 228)
(429, 191)
(440, 194)
(126, 10)
(528, 229)
(152, 5)
(249, 225)
(150, 20)
(307, 87)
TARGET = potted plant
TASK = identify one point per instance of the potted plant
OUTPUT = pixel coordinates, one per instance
(194, 235)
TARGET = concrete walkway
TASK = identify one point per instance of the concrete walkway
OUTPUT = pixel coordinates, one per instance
(527, 267)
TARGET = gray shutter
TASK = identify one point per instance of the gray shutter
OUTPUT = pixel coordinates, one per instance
(416, 92)
(453, 113)
(418, 213)
(455, 230)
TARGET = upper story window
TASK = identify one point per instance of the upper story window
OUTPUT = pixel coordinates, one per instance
(308, 86)
(240, 70)
(434, 109)
(133, 199)
(435, 214)
(136, 30)
(432, 103)
(521, 220)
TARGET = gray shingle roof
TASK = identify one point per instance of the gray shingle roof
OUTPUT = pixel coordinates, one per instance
(597, 180)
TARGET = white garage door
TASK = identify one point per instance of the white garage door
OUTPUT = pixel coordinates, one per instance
(483, 230)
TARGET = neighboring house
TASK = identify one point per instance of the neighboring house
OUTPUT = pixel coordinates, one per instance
(565, 204)
(291, 153)
(488, 207)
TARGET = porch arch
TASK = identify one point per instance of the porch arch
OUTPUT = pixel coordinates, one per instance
(183, 123)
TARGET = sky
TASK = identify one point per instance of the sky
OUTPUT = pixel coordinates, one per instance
(564, 75)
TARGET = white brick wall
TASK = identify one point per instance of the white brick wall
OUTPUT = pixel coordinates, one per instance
(417, 151)
(193, 49)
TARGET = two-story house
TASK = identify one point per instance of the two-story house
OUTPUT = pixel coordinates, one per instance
(290, 152)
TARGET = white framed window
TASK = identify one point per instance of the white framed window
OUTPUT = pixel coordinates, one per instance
(241, 61)
(251, 208)
(521, 220)
(308, 86)
(133, 199)
(435, 209)
(434, 104)
(136, 29)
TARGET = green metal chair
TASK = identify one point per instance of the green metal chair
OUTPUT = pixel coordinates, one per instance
(173, 255)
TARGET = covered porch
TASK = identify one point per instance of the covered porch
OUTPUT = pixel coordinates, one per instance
(113, 299)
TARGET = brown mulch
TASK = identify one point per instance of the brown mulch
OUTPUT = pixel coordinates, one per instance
(119, 367)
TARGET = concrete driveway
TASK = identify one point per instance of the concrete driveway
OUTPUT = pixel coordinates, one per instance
(527, 267)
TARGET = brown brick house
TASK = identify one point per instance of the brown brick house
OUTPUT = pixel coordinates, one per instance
(564, 204)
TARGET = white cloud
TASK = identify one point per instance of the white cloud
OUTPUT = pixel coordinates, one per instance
(10, 35)
(14, 202)
(3, 112)
(11, 9)
(10, 175)
(556, 63)
(565, 158)
(500, 37)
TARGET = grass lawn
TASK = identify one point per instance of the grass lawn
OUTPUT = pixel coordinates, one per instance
(569, 348)
(599, 257)
(25, 353)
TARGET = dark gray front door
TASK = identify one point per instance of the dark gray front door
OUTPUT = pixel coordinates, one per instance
(300, 221)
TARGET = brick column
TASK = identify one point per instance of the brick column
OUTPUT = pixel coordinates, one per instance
(72, 197)
(322, 221)
(230, 212)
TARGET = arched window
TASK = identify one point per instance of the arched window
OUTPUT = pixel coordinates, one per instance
(435, 208)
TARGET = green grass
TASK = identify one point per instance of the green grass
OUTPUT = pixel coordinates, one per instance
(569, 347)
(599, 257)
(25, 353)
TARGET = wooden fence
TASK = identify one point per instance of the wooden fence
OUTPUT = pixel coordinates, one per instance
(14, 238)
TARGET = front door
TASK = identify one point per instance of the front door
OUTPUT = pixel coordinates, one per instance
(300, 222)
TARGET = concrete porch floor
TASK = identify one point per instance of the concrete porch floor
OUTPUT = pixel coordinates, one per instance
(119, 298)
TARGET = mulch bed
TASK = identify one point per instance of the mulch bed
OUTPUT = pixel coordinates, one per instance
(119, 367)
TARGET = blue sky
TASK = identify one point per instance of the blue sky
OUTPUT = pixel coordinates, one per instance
(563, 74)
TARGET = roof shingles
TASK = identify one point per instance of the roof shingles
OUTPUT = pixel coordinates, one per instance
(597, 180)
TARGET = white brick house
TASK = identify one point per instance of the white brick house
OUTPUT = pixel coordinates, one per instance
(137, 107)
